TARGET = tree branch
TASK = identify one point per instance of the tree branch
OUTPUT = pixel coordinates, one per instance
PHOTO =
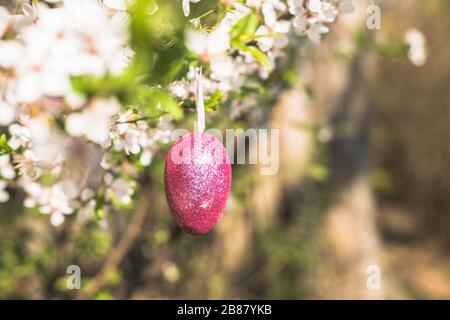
(120, 250)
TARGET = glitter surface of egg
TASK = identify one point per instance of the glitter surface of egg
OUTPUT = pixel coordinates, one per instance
(197, 180)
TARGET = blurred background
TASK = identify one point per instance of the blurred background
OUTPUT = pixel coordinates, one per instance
(363, 181)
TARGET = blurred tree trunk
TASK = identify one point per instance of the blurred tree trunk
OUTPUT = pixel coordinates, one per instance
(349, 228)
(341, 90)
(351, 240)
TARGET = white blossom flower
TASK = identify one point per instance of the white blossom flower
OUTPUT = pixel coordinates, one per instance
(75, 100)
(43, 147)
(120, 5)
(233, 15)
(87, 211)
(119, 189)
(146, 157)
(222, 67)
(187, 6)
(6, 169)
(417, 52)
(315, 32)
(42, 69)
(94, 121)
(28, 165)
(11, 54)
(208, 46)
(75, 39)
(160, 134)
(20, 135)
(4, 196)
(275, 36)
(126, 133)
(4, 20)
(8, 113)
(179, 89)
(311, 20)
(50, 200)
(326, 10)
(269, 10)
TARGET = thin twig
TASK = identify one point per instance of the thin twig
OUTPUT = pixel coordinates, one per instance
(120, 250)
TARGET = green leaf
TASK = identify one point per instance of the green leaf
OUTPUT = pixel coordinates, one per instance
(156, 37)
(155, 102)
(214, 102)
(259, 56)
(119, 86)
(99, 213)
(242, 33)
(244, 30)
(5, 148)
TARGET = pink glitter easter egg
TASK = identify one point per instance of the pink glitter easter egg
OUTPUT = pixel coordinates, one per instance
(197, 180)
